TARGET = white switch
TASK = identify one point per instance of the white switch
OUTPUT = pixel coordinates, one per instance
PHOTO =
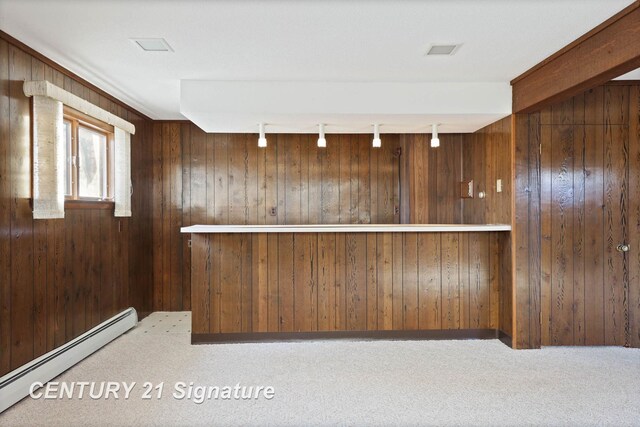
(498, 186)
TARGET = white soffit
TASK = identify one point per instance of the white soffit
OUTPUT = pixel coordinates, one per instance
(300, 41)
(345, 107)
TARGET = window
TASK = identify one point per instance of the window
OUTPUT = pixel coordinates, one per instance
(89, 158)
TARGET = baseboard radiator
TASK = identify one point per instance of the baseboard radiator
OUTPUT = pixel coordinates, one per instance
(15, 385)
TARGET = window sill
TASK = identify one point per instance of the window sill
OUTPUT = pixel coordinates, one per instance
(89, 204)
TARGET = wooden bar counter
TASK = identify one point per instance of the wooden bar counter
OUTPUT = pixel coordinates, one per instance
(254, 283)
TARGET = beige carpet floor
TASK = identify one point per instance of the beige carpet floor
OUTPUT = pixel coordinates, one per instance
(348, 383)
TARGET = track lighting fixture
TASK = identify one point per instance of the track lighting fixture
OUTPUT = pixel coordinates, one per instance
(262, 139)
(377, 142)
(322, 142)
(435, 141)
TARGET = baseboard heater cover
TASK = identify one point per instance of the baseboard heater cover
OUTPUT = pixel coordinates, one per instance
(15, 385)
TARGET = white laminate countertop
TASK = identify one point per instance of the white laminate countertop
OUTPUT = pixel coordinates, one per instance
(345, 228)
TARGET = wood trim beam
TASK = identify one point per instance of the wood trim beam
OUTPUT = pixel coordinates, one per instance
(608, 51)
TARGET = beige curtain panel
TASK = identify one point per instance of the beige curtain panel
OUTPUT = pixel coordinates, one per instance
(48, 158)
(122, 173)
(49, 149)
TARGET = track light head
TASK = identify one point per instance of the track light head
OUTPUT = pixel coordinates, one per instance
(322, 142)
(435, 141)
(377, 142)
(262, 139)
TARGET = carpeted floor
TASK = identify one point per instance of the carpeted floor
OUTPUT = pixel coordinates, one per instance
(348, 383)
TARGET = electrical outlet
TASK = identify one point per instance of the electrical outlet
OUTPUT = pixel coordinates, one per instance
(273, 211)
(499, 186)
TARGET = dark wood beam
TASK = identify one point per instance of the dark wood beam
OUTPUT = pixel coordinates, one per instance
(608, 51)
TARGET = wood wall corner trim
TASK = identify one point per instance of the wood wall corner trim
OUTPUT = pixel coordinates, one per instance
(607, 51)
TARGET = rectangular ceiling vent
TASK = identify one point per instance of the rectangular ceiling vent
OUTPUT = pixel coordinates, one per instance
(153, 45)
(442, 49)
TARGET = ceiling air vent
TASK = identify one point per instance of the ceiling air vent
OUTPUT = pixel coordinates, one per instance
(443, 49)
(153, 45)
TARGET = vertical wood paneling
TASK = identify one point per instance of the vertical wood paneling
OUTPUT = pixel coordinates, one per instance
(355, 281)
(226, 179)
(314, 176)
(372, 281)
(176, 211)
(259, 283)
(634, 218)
(430, 179)
(341, 281)
(326, 280)
(486, 157)
(430, 281)
(594, 234)
(463, 250)
(344, 204)
(562, 216)
(364, 178)
(354, 179)
(384, 263)
(202, 272)
(231, 283)
(615, 217)
(546, 232)
(273, 320)
(40, 264)
(479, 295)
(286, 289)
(586, 180)
(340, 305)
(579, 232)
(218, 164)
(305, 280)
(58, 280)
(158, 213)
(214, 284)
(185, 290)
(410, 294)
(397, 250)
(450, 274)
(21, 255)
(5, 211)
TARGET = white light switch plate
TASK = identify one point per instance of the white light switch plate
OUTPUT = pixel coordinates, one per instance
(498, 186)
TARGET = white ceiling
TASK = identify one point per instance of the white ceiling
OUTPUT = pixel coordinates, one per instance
(300, 41)
(633, 75)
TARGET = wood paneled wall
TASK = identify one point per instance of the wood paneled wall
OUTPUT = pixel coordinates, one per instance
(430, 178)
(58, 278)
(575, 202)
(201, 178)
(586, 209)
(345, 281)
(487, 158)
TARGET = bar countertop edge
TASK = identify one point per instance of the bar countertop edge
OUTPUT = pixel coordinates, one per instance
(346, 228)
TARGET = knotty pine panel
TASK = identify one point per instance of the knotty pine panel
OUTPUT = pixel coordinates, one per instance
(61, 277)
(343, 281)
